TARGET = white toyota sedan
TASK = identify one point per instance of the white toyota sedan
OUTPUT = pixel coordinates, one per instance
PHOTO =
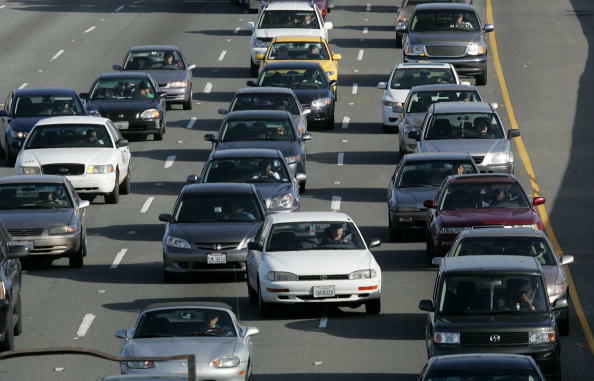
(312, 257)
(88, 150)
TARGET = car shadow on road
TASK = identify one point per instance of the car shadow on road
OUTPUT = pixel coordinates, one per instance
(223, 72)
(159, 188)
(142, 232)
(362, 8)
(216, 96)
(194, 155)
(357, 157)
(139, 304)
(364, 80)
(335, 377)
(371, 28)
(367, 43)
(223, 32)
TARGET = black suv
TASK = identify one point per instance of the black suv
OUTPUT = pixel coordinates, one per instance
(493, 304)
(11, 318)
(449, 33)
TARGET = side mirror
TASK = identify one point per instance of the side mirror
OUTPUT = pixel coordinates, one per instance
(259, 56)
(374, 242)
(256, 246)
(306, 112)
(223, 111)
(193, 179)
(165, 217)
(117, 68)
(251, 83)
(538, 201)
(210, 138)
(250, 25)
(513, 133)
(300, 176)
(121, 334)
(402, 28)
(192, 67)
(84, 204)
(382, 85)
(161, 94)
(413, 135)
(251, 331)
(17, 251)
(122, 143)
(567, 259)
(84, 95)
(488, 28)
(333, 83)
(3, 113)
(436, 261)
(306, 136)
(429, 204)
(426, 305)
(560, 303)
(328, 25)
(337, 57)
(94, 112)
(494, 105)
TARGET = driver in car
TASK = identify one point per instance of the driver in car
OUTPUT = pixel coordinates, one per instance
(336, 236)
(213, 326)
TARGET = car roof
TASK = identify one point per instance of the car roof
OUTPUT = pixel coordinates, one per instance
(444, 87)
(245, 152)
(502, 232)
(424, 65)
(448, 6)
(291, 65)
(490, 263)
(245, 188)
(309, 217)
(124, 74)
(153, 47)
(437, 156)
(480, 361)
(483, 178)
(452, 107)
(298, 39)
(73, 119)
(264, 89)
(37, 91)
(264, 114)
(289, 5)
(50, 179)
(200, 304)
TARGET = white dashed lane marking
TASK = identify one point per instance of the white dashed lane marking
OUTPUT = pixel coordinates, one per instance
(191, 123)
(236, 30)
(85, 325)
(2, 6)
(365, 30)
(90, 29)
(335, 204)
(323, 322)
(222, 55)
(119, 8)
(345, 122)
(355, 88)
(118, 258)
(169, 161)
(23, 85)
(360, 55)
(368, 8)
(207, 88)
(146, 205)
(340, 158)
(58, 54)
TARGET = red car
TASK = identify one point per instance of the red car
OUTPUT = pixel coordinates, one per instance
(482, 200)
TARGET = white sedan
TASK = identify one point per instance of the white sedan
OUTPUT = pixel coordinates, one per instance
(312, 257)
(88, 150)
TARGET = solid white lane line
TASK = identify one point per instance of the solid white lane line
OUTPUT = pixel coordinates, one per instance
(345, 122)
(360, 55)
(85, 325)
(340, 158)
(355, 88)
(207, 88)
(222, 55)
(191, 123)
(58, 54)
(23, 85)
(323, 322)
(335, 204)
(368, 8)
(118, 258)
(236, 30)
(90, 29)
(119, 8)
(169, 161)
(146, 205)
(365, 30)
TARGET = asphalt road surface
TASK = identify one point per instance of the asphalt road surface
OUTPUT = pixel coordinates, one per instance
(544, 48)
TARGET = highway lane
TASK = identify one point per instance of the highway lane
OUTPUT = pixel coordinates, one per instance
(56, 299)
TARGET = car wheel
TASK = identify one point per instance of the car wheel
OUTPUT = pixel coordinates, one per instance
(76, 259)
(18, 311)
(114, 196)
(329, 125)
(302, 187)
(395, 234)
(8, 343)
(168, 276)
(10, 158)
(253, 69)
(563, 327)
(159, 135)
(125, 186)
(266, 309)
(168, 106)
(252, 294)
(429, 246)
(249, 373)
(188, 104)
(481, 79)
(373, 307)
(398, 40)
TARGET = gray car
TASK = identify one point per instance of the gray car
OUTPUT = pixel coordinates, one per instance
(270, 98)
(520, 241)
(210, 227)
(417, 102)
(169, 68)
(45, 214)
(473, 127)
(209, 330)
(265, 168)
(263, 129)
(417, 178)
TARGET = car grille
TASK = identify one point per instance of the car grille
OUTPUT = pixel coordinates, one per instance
(485, 338)
(63, 169)
(445, 50)
(121, 115)
(216, 246)
(25, 232)
(478, 159)
(323, 277)
(40, 250)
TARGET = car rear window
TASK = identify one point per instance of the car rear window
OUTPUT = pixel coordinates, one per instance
(265, 129)
(420, 101)
(47, 105)
(289, 19)
(508, 245)
(467, 195)
(407, 78)
(431, 173)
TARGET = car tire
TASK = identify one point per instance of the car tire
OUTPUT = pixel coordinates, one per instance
(168, 276)
(329, 125)
(249, 374)
(373, 307)
(125, 186)
(266, 309)
(395, 234)
(302, 187)
(8, 343)
(114, 196)
(429, 246)
(398, 40)
(481, 79)
(18, 311)
(76, 260)
(188, 104)
(10, 158)
(253, 69)
(252, 294)
(158, 136)
(168, 106)
(563, 327)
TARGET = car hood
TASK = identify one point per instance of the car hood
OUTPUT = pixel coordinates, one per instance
(399, 95)
(479, 147)
(431, 38)
(512, 322)
(35, 218)
(44, 156)
(415, 119)
(288, 148)
(414, 196)
(123, 106)
(306, 96)
(490, 216)
(282, 32)
(214, 232)
(163, 77)
(270, 190)
(313, 262)
(206, 349)
(25, 124)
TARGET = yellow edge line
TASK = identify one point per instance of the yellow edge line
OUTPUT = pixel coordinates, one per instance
(530, 171)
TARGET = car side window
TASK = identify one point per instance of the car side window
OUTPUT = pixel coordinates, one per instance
(114, 131)
(8, 104)
(261, 237)
(5, 240)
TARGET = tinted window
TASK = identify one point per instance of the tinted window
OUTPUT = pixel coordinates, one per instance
(509, 245)
(201, 207)
(420, 101)
(464, 126)
(47, 106)
(34, 196)
(155, 60)
(444, 20)
(185, 322)
(289, 19)
(297, 236)
(298, 51)
(432, 172)
(485, 374)
(483, 195)
(294, 78)
(262, 101)
(247, 170)
(409, 77)
(242, 130)
(121, 88)
(69, 136)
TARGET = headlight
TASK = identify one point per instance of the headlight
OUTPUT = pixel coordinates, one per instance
(363, 274)
(179, 84)
(452, 230)
(330, 73)
(285, 201)
(319, 103)
(226, 362)
(28, 170)
(66, 229)
(140, 364)
(400, 22)
(555, 289)
(446, 338)
(408, 128)
(293, 159)
(19, 134)
(541, 337)
(499, 157)
(260, 43)
(476, 49)
(415, 50)
(280, 276)
(389, 103)
(177, 242)
(100, 169)
(150, 114)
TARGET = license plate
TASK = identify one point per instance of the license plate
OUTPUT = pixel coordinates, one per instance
(324, 291)
(216, 258)
(122, 125)
(28, 244)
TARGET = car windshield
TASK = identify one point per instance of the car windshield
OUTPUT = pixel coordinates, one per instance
(122, 88)
(464, 126)
(205, 208)
(509, 245)
(490, 294)
(69, 136)
(407, 78)
(301, 236)
(50, 105)
(431, 173)
(483, 195)
(181, 322)
(289, 19)
(444, 20)
(154, 60)
(294, 78)
(419, 102)
(269, 129)
(265, 101)
(247, 170)
(485, 374)
(34, 196)
(298, 50)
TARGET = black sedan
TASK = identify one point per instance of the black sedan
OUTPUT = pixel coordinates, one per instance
(263, 129)
(310, 83)
(210, 228)
(132, 100)
(25, 107)
(169, 68)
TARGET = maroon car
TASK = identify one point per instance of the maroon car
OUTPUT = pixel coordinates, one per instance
(483, 200)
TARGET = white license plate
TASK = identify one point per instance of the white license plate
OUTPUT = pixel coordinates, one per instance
(216, 258)
(122, 125)
(324, 291)
(28, 244)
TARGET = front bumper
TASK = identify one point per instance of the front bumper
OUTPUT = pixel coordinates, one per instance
(496, 168)
(318, 115)
(464, 66)
(390, 118)
(408, 220)
(194, 260)
(204, 371)
(177, 94)
(139, 126)
(347, 291)
(52, 246)
(93, 183)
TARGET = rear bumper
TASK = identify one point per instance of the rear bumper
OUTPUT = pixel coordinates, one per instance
(408, 220)
(497, 168)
